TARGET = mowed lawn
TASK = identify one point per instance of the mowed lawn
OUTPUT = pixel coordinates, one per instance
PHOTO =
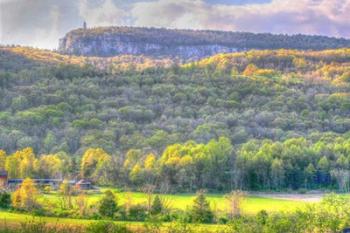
(250, 205)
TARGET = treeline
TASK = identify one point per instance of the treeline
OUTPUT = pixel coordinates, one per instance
(296, 163)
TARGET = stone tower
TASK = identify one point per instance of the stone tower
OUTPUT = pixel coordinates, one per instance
(84, 25)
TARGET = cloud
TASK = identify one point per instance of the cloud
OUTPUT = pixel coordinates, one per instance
(103, 13)
(327, 17)
(169, 14)
(42, 22)
(37, 23)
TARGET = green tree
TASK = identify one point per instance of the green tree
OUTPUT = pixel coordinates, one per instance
(66, 190)
(201, 211)
(157, 205)
(108, 205)
(323, 171)
(277, 173)
(5, 200)
(219, 154)
(310, 172)
(49, 141)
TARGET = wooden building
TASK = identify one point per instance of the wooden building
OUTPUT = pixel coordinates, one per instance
(84, 184)
(6, 183)
(3, 179)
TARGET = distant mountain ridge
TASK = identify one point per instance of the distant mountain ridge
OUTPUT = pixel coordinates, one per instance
(183, 44)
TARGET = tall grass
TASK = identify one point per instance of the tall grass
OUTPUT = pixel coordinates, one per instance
(37, 226)
(34, 226)
(106, 227)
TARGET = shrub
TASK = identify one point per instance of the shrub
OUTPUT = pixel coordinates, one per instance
(35, 226)
(137, 213)
(153, 225)
(5, 200)
(180, 227)
(106, 227)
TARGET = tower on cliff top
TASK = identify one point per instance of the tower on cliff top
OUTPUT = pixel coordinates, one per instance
(84, 25)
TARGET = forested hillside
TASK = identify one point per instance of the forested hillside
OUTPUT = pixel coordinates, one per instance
(17, 58)
(266, 119)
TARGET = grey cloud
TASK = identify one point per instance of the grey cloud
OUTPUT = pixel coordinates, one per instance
(103, 13)
(37, 23)
(327, 17)
(41, 22)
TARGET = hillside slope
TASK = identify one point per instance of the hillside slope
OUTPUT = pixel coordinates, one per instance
(14, 58)
(257, 120)
(258, 94)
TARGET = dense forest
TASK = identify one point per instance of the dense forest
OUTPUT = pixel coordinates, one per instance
(271, 119)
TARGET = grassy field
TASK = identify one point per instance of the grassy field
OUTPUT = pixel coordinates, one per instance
(251, 204)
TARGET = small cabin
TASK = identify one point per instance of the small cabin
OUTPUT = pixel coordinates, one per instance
(3, 179)
(84, 184)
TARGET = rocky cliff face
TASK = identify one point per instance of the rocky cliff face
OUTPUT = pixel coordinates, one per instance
(113, 45)
(182, 44)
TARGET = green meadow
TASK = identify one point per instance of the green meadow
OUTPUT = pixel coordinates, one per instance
(250, 205)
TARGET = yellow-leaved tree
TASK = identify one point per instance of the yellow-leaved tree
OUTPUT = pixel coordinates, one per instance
(25, 197)
(2, 160)
(49, 166)
(250, 70)
(66, 190)
(21, 163)
(149, 168)
(96, 164)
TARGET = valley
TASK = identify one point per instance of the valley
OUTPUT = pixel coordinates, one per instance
(159, 130)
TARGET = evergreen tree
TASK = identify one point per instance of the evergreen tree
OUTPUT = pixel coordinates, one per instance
(201, 211)
(157, 206)
(108, 205)
(5, 200)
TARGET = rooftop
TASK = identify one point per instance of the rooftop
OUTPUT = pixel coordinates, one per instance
(3, 173)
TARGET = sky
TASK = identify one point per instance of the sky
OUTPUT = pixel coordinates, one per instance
(40, 23)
